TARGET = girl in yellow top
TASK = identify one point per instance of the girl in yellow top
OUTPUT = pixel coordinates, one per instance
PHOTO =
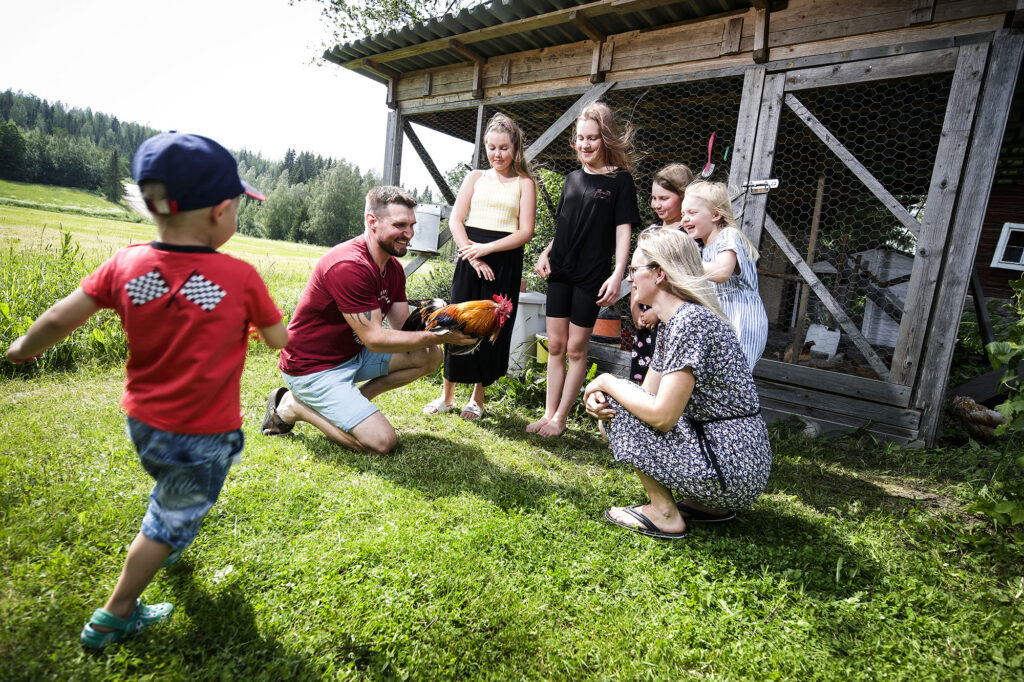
(492, 219)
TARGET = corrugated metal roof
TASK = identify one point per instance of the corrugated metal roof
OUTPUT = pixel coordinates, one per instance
(497, 12)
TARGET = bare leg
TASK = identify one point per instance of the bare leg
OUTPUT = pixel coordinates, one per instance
(558, 338)
(142, 563)
(479, 393)
(579, 342)
(703, 508)
(661, 510)
(375, 433)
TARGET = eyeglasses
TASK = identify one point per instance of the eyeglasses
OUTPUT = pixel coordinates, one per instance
(631, 270)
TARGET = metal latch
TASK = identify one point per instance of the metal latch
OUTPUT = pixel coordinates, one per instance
(761, 186)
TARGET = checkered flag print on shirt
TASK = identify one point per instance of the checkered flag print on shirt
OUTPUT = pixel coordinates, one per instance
(145, 288)
(202, 292)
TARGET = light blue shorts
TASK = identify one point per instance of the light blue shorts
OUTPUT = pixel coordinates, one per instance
(189, 470)
(334, 393)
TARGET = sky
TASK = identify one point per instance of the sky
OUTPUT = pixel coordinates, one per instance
(239, 71)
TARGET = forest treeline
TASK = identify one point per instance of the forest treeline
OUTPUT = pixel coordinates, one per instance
(310, 198)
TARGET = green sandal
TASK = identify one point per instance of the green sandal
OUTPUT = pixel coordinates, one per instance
(172, 558)
(143, 616)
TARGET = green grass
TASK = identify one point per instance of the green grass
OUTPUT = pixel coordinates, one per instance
(478, 552)
(63, 199)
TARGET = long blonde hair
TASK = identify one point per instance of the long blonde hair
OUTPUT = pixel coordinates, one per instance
(716, 196)
(677, 255)
(500, 123)
(617, 146)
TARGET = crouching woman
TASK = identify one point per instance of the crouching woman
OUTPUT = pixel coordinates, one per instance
(695, 424)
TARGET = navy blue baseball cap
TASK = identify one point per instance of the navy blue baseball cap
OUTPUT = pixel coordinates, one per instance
(196, 171)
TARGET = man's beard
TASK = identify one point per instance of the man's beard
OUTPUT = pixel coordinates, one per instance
(392, 249)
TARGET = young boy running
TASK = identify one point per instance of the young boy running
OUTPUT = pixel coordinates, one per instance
(186, 310)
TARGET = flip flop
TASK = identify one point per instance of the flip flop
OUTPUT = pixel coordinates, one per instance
(647, 526)
(273, 425)
(437, 406)
(700, 516)
(473, 409)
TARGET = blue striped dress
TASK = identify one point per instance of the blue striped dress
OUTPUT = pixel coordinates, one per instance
(739, 296)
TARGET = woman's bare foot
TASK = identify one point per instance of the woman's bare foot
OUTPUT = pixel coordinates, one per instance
(536, 426)
(552, 428)
(669, 521)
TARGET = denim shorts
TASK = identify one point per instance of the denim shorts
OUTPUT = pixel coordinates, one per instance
(333, 392)
(189, 470)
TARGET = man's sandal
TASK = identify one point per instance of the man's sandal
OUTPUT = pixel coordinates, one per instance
(142, 617)
(437, 406)
(273, 425)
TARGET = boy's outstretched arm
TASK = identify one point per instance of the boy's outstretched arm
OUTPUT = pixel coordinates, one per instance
(64, 317)
(275, 336)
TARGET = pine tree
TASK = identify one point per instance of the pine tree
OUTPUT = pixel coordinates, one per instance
(113, 190)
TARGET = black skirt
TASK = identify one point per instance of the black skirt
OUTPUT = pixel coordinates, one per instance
(490, 361)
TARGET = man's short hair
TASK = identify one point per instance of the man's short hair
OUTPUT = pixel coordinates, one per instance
(379, 198)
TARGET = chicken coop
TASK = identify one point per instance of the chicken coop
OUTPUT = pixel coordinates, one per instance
(860, 142)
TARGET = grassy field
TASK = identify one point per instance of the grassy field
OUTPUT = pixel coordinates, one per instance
(476, 551)
(62, 199)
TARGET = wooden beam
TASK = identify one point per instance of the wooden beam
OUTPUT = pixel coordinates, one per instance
(731, 36)
(439, 180)
(392, 172)
(844, 384)
(855, 166)
(938, 210)
(478, 143)
(506, 72)
(812, 242)
(579, 19)
(989, 127)
(478, 81)
(596, 75)
(593, 9)
(379, 69)
(746, 135)
(921, 11)
(427, 82)
(466, 51)
(762, 156)
(825, 296)
(566, 119)
(761, 30)
(883, 68)
(1016, 18)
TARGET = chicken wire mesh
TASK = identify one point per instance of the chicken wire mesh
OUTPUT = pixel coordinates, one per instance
(862, 253)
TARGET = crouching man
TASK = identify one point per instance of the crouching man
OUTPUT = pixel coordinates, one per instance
(337, 336)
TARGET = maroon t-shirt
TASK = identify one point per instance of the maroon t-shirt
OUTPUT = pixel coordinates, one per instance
(345, 280)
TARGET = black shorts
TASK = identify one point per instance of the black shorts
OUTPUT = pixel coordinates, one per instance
(576, 302)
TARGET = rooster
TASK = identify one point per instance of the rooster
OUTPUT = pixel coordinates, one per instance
(979, 421)
(480, 319)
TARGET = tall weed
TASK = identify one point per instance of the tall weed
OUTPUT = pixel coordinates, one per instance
(31, 280)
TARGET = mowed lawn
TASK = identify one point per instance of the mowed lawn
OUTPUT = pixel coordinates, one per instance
(476, 551)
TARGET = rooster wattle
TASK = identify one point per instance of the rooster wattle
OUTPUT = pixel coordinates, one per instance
(479, 319)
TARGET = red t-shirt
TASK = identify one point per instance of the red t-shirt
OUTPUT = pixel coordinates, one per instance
(345, 280)
(185, 310)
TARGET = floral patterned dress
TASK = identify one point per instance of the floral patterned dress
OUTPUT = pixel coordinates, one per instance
(718, 453)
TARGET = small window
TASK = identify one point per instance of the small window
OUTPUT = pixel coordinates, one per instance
(1010, 250)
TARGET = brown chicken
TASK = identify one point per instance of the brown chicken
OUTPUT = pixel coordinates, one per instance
(979, 421)
(480, 319)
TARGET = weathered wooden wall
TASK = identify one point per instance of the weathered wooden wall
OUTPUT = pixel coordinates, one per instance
(804, 28)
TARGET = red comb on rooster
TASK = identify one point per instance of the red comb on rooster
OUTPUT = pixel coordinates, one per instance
(480, 319)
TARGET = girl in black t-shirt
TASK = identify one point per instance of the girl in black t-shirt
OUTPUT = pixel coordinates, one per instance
(595, 215)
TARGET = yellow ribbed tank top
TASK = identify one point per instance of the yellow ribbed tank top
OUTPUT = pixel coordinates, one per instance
(495, 204)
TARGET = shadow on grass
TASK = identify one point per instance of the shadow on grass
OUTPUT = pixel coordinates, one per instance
(223, 636)
(439, 467)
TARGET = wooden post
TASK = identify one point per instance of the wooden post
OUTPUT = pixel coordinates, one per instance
(989, 125)
(938, 212)
(746, 135)
(763, 155)
(392, 172)
(805, 291)
(478, 144)
(761, 30)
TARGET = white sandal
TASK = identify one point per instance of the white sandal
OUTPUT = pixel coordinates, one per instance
(473, 409)
(437, 406)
